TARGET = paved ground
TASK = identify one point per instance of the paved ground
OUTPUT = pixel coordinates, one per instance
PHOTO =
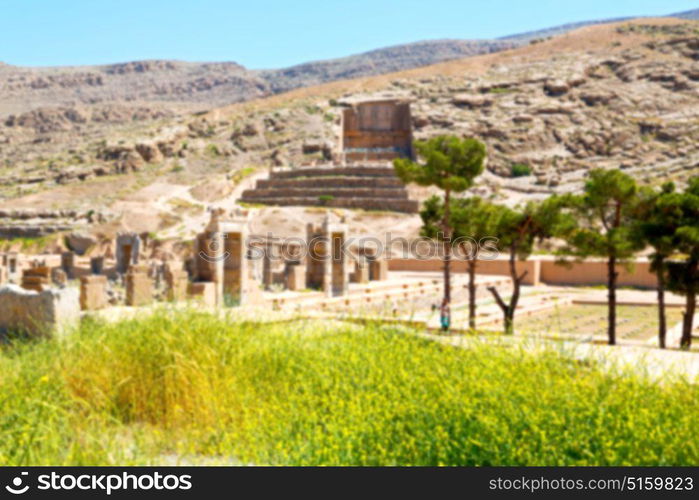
(656, 363)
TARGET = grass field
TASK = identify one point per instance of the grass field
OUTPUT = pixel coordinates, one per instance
(191, 388)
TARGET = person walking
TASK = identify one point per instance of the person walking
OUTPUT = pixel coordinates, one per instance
(445, 316)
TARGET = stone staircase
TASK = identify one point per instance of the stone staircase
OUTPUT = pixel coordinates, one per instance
(407, 293)
(367, 187)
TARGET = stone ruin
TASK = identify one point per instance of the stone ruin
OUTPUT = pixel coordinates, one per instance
(360, 274)
(378, 265)
(67, 263)
(97, 265)
(36, 278)
(376, 130)
(373, 133)
(93, 292)
(139, 286)
(176, 281)
(223, 272)
(9, 267)
(291, 275)
(38, 313)
(220, 259)
(326, 262)
(128, 247)
(294, 268)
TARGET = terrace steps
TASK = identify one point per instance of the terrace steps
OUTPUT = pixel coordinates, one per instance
(401, 292)
(368, 187)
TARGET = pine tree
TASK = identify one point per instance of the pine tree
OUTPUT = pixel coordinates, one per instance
(517, 230)
(605, 228)
(451, 164)
(473, 221)
(656, 220)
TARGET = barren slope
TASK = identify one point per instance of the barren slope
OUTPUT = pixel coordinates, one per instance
(618, 96)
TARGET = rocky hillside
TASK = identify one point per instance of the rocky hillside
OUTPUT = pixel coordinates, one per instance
(623, 95)
(200, 86)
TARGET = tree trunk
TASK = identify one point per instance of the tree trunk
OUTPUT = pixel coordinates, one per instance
(472, 294)
(509, 321)
(508, 310)
(611, 288)
(516, 282)
(507, 318)
(662, 323)
(447, 248)
(688, 323)
(691, 305)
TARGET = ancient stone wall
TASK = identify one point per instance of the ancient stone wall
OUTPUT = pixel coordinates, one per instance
(361, 271)
(377, 130)
(378, 269)
(139, 287)
(128, 247)
(326, 265)
(51, 311)
(176, 281)
(93, 292)
(204, 292)
(36, 278)
(295, 276)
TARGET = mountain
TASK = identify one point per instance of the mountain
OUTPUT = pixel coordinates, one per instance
(174, 86)
(376, 62)
(187, 86)
(622, 95)
(688, 14)
(558, 30)
(195, 86)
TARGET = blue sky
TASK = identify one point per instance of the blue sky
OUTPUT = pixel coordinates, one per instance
(272, 33)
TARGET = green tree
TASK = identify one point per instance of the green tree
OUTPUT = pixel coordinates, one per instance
(605, 228)
(517, 230)
(451, 164)
(656, 219)
(683, 273)
(473, 222)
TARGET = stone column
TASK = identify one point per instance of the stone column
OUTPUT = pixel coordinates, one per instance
(267, 270)
(326, 265)
(97, 265)
(93, 292)
(176, 281)
(67, 263)
(221, 256)
(128, 247)
(139, 287)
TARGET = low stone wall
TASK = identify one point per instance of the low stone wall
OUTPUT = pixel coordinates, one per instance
(38, 314)
(395, 205)
(499, 267)
(398, 193)
(544, 270)
(594, 272)
(340, 181)
(355, 170)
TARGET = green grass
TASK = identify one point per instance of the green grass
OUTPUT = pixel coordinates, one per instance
(29, 244)
(204, 390)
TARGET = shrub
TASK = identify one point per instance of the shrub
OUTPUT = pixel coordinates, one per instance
(520, 170)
